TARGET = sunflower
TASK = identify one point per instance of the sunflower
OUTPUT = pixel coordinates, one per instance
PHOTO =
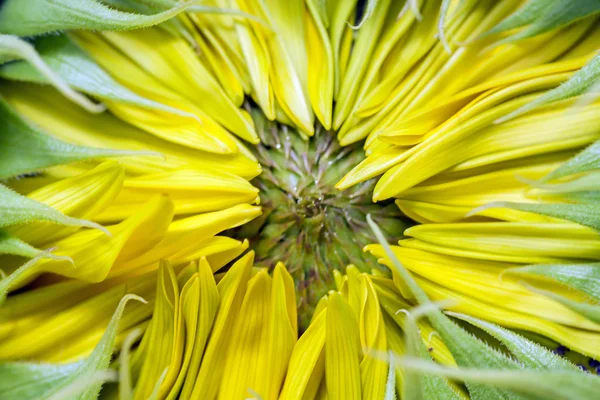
(299, 199)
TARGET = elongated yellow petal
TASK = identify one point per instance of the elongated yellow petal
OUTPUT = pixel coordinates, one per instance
(582, 341)
(342, 350)
(482, 280)
(307, 363)
(206, 311)
(373, 369)
(170, 60)
(60, 336)
(91, 254)
(320, 57)
(163, 336)
(47, 109)
(83, 196)
(192, 191)
(232, 289)
(262, 340)
(513, 241)
(184, 237)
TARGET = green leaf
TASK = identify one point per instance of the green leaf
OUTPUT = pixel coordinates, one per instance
(583, 277)
(78, 70)
(25, 148)
(24, 380)
(35, 17)
(586, 214)
(16, 209)
(578, 84)
(13, 48)
(467, 349)
(539, 16)
(587, 160)
(15, 246)
(556, 385)
(529, 353)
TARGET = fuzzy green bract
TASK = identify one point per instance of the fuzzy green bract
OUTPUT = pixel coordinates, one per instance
(583, 277)
(16, 209)
(32, 381)
(35, 17)
(539, 16)
(15, 246)
(529, 353)
(13, 48)
(587, 160)
(581, 82)
(584, 214)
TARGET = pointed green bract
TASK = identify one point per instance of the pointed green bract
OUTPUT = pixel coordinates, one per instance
(529, 353)
(36, 17)
(539, 16)
(586, 214)
(466, 348)
(16, 209)
(15, 246)
(78, 70)
(587, 160)
(423, 387)
(564, 385)
(582, 81)
(32, 381)
(590, 311)
(583, 277)
(25, 148)
(13, 48)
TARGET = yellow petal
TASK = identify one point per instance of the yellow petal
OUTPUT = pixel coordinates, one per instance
(93, 253)
(83, 196)
(320, 57)
(232, 289)
(373, 369)
(192, 191)
(163, 336)
(342, 351)
(206, 311)
(47, 109)
(307, 363)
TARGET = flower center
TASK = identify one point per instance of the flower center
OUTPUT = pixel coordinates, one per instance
(307, 223)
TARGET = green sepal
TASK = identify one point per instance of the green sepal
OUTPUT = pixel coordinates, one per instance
(530, 384)
(529, 353)
(586, 214)
(578, 84)
(13, 48)
(583, 277)
(15, 246)
(25, 380)
(589, 311)
(36, 17)
(539, 16)
(587, 160)
(16, 209)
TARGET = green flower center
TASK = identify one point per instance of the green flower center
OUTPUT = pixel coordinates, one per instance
(307, 223)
